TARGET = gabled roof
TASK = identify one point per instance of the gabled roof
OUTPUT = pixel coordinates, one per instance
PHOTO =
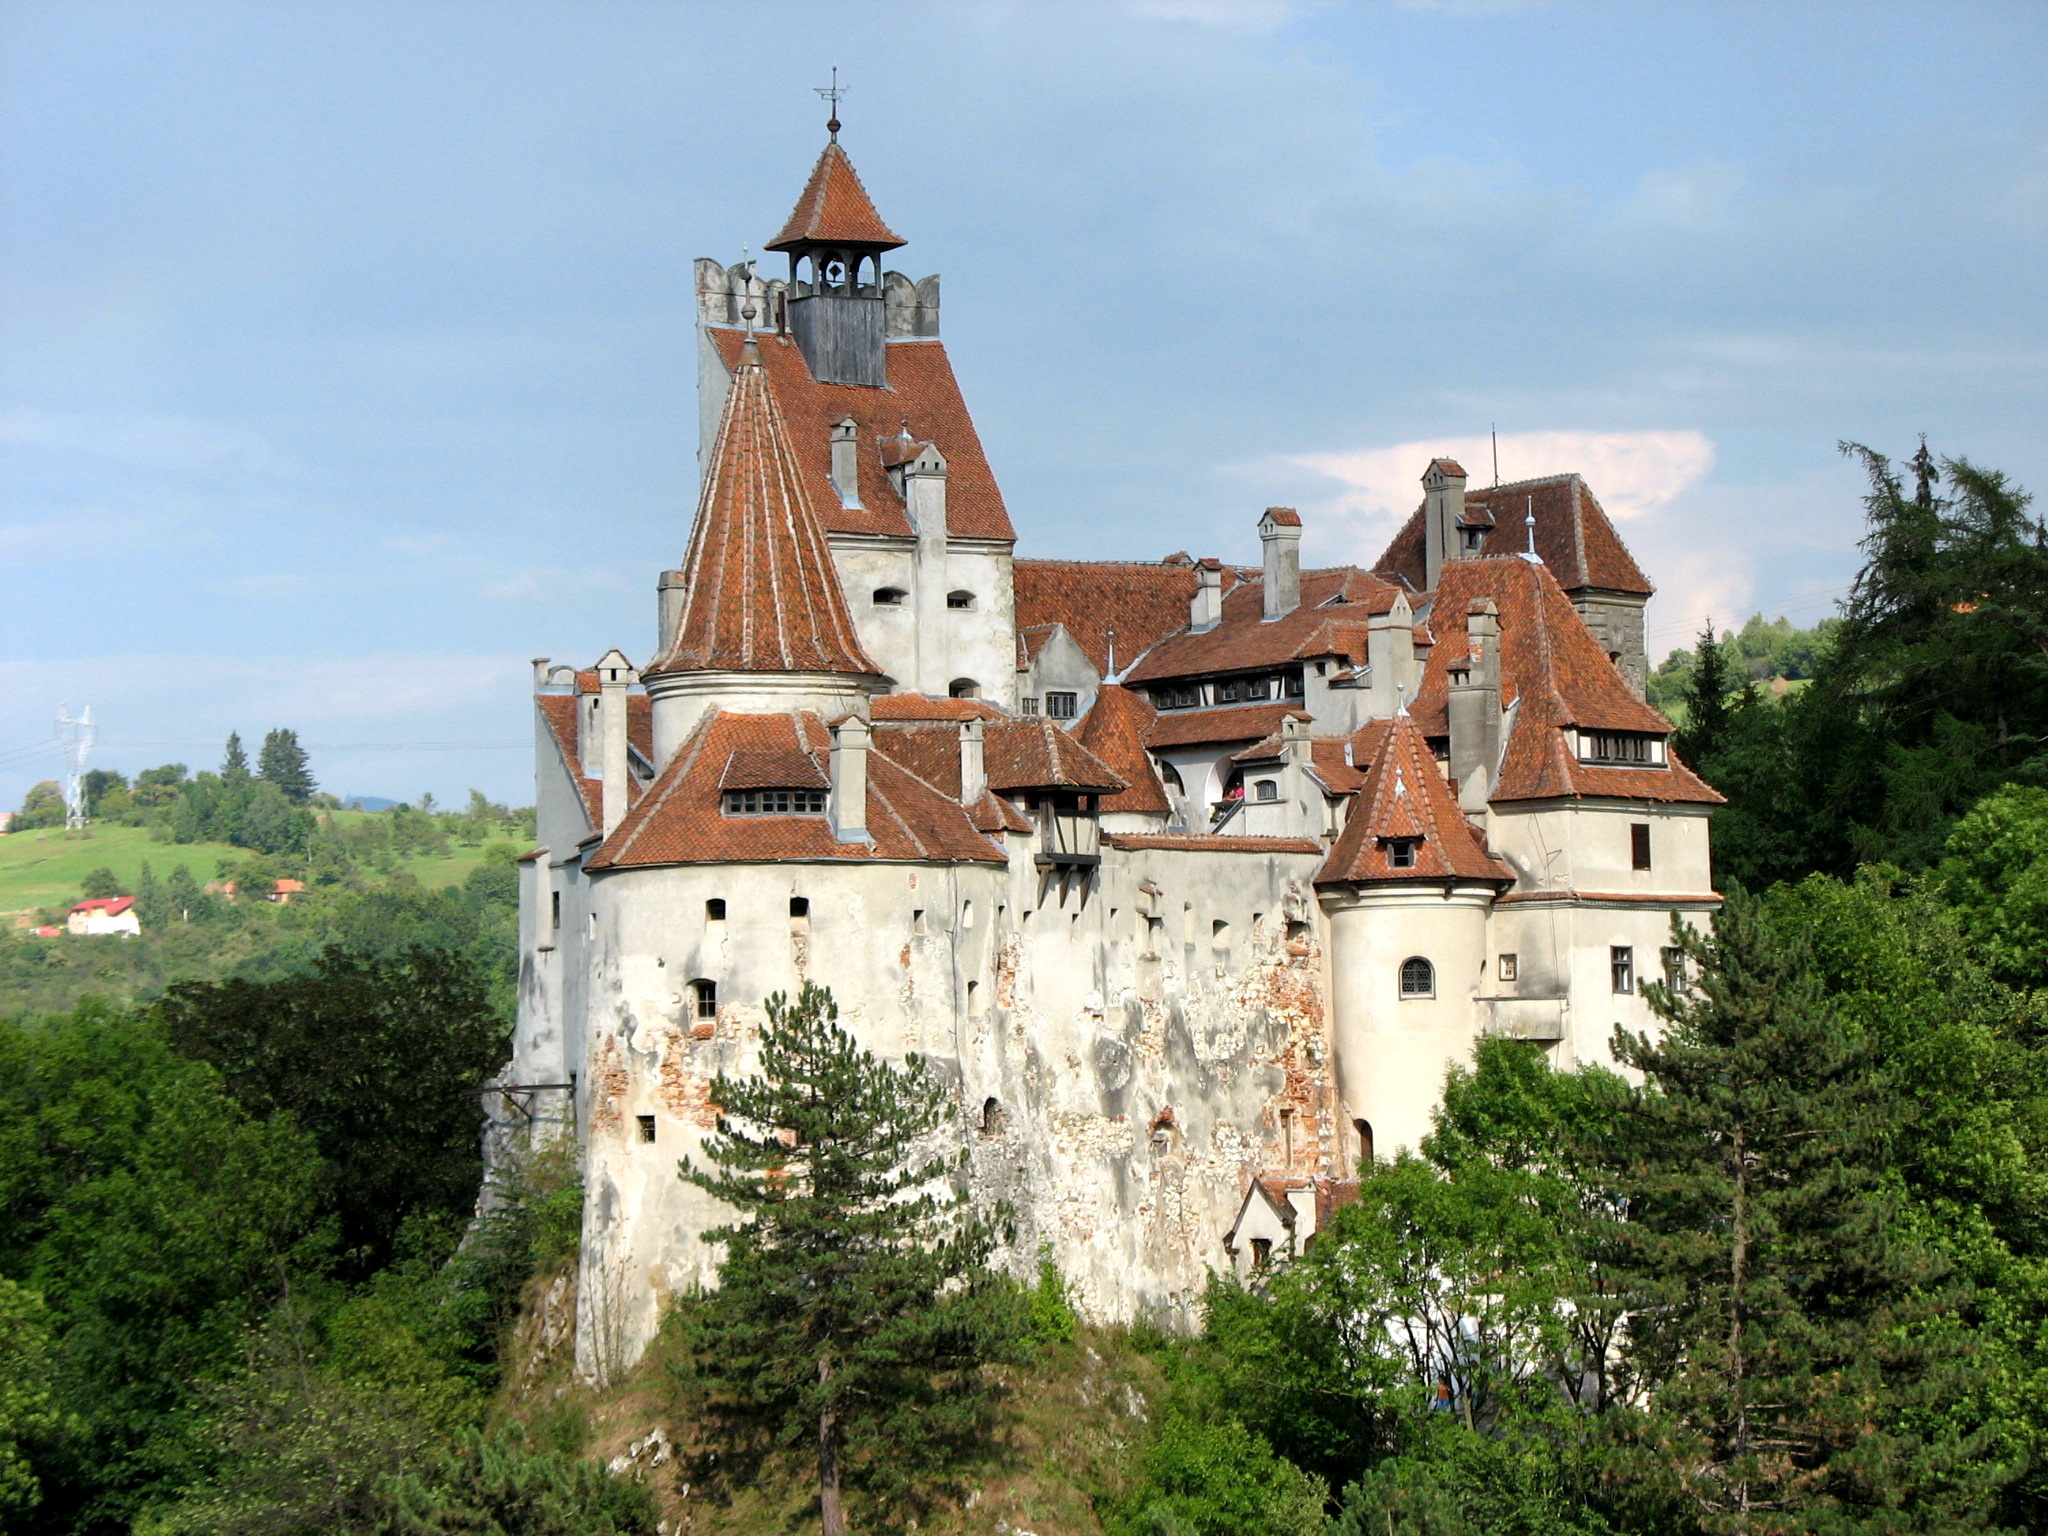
(1556, 675)
(835, 210)
(930, 750)
(1114, 730)
(761, 593)
(1573, 536)
(559, 711)
(1405, 798)
(921, 391)
(113, 906)
(1330, 621)
(918, 706)
(1033, 753)
(1143, 601)
(680, 820)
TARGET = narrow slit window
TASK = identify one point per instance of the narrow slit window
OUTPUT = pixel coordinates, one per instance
(1639, 844)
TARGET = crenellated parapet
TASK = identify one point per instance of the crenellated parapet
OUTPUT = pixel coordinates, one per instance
(910, 308)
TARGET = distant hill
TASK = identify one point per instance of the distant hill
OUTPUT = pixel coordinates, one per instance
(368, 803)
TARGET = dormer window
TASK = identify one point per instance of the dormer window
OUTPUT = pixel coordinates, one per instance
(889, 597)
(1177, 696)
(1060, 705)
(1460, 677)
(1401, 852)
(1472, 537)
(775, 802)
(1622, 749)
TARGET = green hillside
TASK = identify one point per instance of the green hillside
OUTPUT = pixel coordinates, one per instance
(43, 868)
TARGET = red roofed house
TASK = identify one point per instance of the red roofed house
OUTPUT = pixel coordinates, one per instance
(1191, 877)
(104, 914)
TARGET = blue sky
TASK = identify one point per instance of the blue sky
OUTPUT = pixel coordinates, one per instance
(345, 360)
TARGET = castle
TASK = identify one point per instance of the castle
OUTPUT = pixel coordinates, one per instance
(1190, 877)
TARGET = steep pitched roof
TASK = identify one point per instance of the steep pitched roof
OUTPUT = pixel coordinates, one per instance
(1330, 621)
(1232, 722)
(921, 392)
(761, 593)
(835, 210)
(1114, 730)
(1554, 671)
(918, 706)
(1405, 798)
(1143, 601)
(680, 820)
(1573, 536)
(930, 750)
(1032, 753)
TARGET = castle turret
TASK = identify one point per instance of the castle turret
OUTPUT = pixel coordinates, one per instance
(835, 240)
(760, 621)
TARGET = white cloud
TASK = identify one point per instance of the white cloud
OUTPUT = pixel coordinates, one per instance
(1644, 480)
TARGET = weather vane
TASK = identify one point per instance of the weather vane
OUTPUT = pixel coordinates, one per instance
(832, 93)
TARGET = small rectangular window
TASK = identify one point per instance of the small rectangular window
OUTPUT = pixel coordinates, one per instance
(1265, 789)
(1256, 688)
(714, 910)
(1030, 706)
(1401, 853)
(1230, 691)
(1061, 706)
(799, 906)
(774, 802)
(646, 1127)
(1262, 1254)
(1290, 685)
(1674, 968)
(1178, 696)
(707, 998)
(1621, 961)
(917, 922)
(1639, 844)
(1509, 966)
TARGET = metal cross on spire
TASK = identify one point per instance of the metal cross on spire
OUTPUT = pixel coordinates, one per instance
(832, 93)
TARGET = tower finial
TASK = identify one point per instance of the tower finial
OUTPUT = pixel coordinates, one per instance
(832, 93)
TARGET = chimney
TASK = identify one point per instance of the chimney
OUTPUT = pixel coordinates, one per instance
(973, 762)
(1475, 708)
(1390, 653)
(614, 676)
(846, 462)
(924, 492)
(669, 594)
(849, 797)
(1443, 509)
(1205, 609)
(1280, 533)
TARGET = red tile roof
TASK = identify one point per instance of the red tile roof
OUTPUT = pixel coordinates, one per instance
(835, 210)
(760, 591)
(1114, 730)
(1197, 842)
(922, 392)
(1231, 722)
(113, 906)
(1142, 601)
(559, 711)
(1330, 621)
(917, 706)
(1405, 797)
(1554, 669)
(680, 820)
(1034, 753)
(1328, 758)
(1573, 536)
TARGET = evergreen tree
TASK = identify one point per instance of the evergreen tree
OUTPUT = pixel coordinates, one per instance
(234, 765)
(152, 906)
(100, 884)
(283, 763)
(854, 1308)
(1797, 1338)
(184, 901)
(1710, 701)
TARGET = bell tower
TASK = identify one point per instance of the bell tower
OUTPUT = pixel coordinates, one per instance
(835, 241)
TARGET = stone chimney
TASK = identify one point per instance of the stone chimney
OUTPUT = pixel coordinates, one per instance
(1280, 534)
(1390, 653)
(848, 802)
(614, 676)
(1443, 509)
(1205, 608)
(846, 462)
(1475, 709)
(973, 762)
(669, 594)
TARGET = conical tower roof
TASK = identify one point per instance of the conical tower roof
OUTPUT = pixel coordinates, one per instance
(835, 210)
(1404, 799)
(761, 593)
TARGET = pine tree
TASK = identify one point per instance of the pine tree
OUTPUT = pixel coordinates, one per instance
(152, 907)
(184, 901)
(854, 1308)
(1798, 1340)
(1709, 701)
(283, 762)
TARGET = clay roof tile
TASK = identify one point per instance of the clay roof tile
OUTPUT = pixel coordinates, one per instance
(835, 210)
(1114, 730)
(1405, 799)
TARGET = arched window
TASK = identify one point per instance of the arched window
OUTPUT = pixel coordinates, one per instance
(963, 688)
(1265, 789)
(1364, 1129)
(1418, 977)
(960, 599)
(991, 1117)
(889, 597)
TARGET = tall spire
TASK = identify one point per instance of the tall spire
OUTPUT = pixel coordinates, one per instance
(761, 593)
(835, 210)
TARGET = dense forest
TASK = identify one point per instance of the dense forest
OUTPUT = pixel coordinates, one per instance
(1787, 1274)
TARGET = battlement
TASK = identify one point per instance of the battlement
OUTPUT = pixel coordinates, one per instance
(910, 309)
